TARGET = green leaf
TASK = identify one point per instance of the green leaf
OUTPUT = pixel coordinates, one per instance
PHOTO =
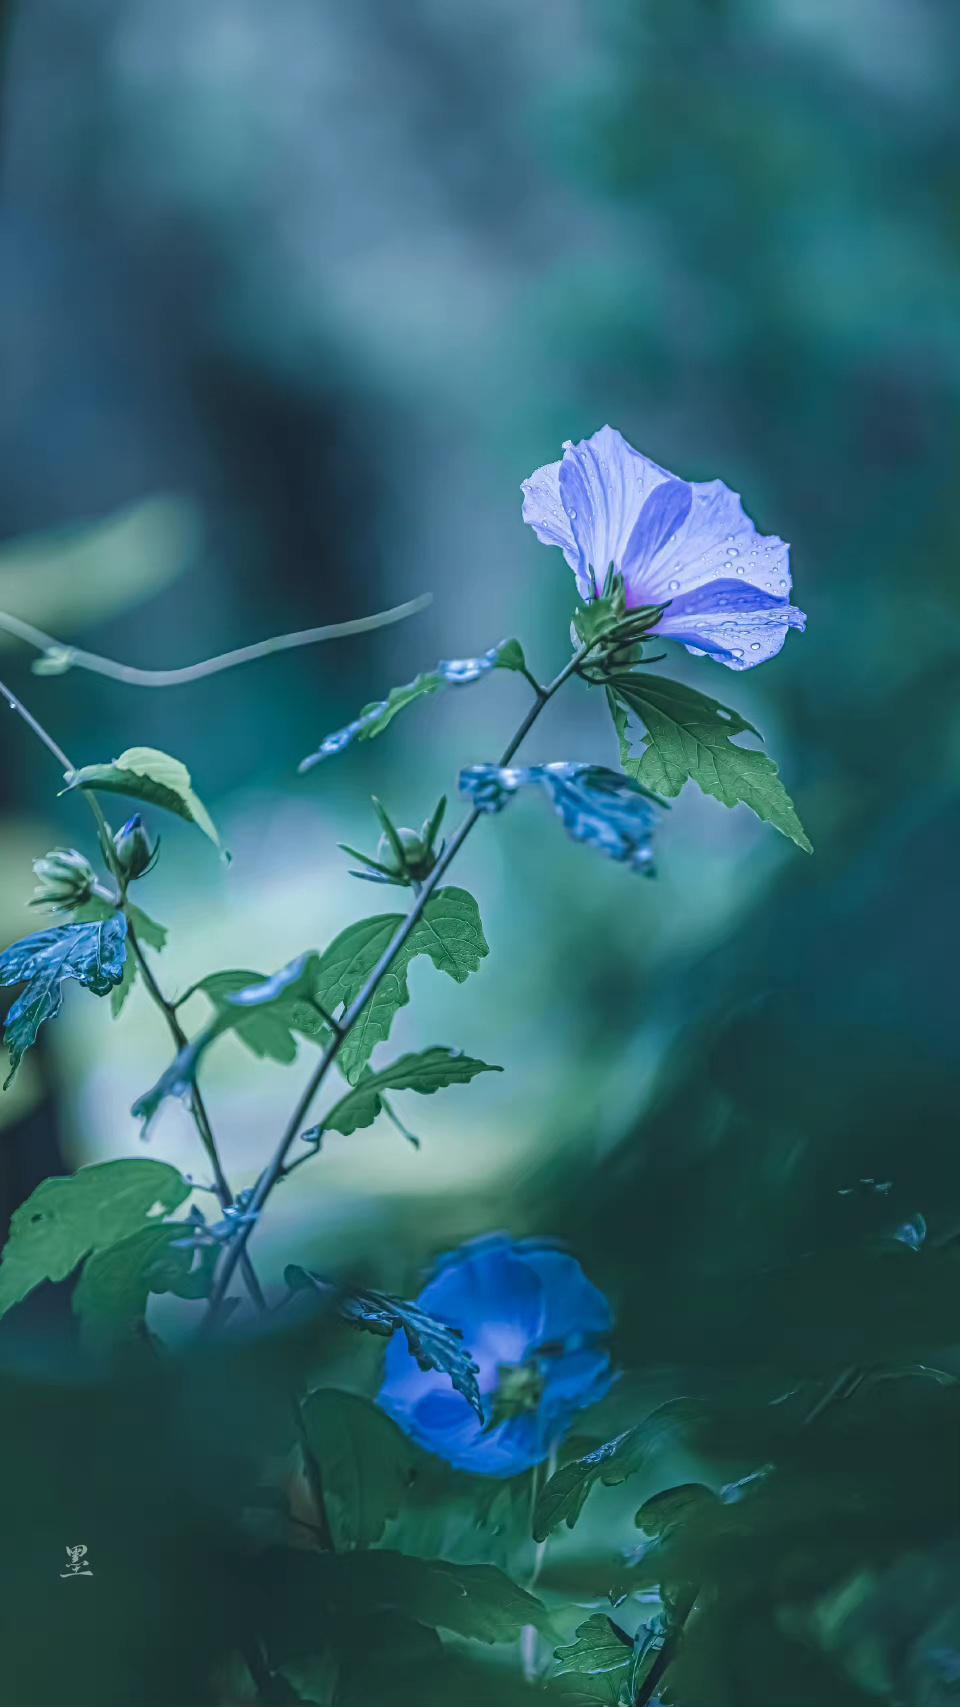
(475, 1601)
(661, 1514)
(66, 1218)
(434, 1344)
(148, 931)
(600, 1646)
(288, 994)
(450, 672)
(431, 1070)
(154, 777)
(365, 1464)
(267, 1030)
(110, 1298)
(689, 735)
(449, 933)
(562, 1498)
(92, 954)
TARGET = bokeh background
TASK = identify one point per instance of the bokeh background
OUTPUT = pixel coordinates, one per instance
(291, 300)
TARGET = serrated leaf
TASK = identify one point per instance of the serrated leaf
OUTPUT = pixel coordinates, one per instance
(92, 954)
(690, 736)
(430, 1070)
(450, 672)
(365, 1463)
(290, 992)
(435, 1344)
(148, 931)
(562, 1498)
(110, 1298)
(66, 1218)
(449, 933)
(607, 811)
(599, 1646)
(147, 774)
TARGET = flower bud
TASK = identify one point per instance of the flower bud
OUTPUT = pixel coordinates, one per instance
(66, 880)
(417, 858)
(132, 848)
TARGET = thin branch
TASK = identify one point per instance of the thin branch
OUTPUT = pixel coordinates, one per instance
(179, 1036)
(275, 1167)
(70, 657)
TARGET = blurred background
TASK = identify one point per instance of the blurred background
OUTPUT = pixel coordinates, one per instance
(292, 298)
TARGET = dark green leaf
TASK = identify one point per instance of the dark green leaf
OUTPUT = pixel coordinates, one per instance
(476, 1601)
(689, 735)
(431, 1070)
(434, 1344)
(600, 1646)
(145, 773)
(110, 1297)
(657, 1516)
(377, 716)
(449, 932)
(562, 1498)
(364, 1461)
(93, 954)
(65, 1219)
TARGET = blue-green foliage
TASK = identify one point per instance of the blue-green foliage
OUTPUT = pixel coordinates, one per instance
(92, 954)
(450, 672)
(361, 1546)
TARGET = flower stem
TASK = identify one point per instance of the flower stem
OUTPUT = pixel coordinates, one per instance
(179, 1036)
(275, 1167)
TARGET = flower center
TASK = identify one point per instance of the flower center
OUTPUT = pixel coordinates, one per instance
(518, 1392)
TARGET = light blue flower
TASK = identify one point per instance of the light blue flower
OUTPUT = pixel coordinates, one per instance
(684, 544)
(535, 1327)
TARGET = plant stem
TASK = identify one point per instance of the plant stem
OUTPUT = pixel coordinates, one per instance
(275, 1167)
(179, 1036)
(75, 656)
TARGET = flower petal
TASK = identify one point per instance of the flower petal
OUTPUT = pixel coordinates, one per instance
(604, 483)
(544, 511)
(572, 1384)
(737, 624)
(574, 1310)
(716, 540)
(663, 514)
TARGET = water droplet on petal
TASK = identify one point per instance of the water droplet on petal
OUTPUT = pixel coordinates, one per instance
(572, 514)
(737, 651)
(674, 586)
(732, 551)
(755, 646)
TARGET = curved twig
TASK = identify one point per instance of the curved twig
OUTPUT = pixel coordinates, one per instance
(59, 656)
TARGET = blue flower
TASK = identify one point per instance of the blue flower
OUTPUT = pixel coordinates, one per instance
(534, 1325)
(684, 544)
